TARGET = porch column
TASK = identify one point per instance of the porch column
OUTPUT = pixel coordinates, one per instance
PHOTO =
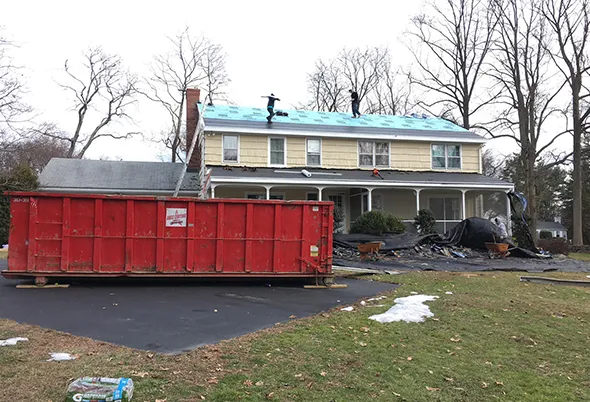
(320, 189)
(212, 191)
(370, 199)
(463, 207)
(418, 199)
(508, 213)
(268, 192)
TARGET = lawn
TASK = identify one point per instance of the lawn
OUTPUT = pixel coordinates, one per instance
(3, 254)
(580, 256)
(494, 338)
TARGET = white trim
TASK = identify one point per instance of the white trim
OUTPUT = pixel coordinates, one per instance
(446, 168)
(223, 148)
(307, 182)
(321, 159)
(284, 151)
(373, 137)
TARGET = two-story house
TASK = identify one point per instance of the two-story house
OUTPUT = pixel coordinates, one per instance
(398, 164)
(421, 162)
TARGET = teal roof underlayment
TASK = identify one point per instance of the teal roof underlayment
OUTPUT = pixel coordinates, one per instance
(234, 114)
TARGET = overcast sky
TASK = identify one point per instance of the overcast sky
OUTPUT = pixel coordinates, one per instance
(271, 46)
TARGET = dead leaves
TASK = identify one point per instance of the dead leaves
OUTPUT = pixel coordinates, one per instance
(432, 389)
(248, 383)
(213, 380)
(456, 339)
(410, 358)
(323, 373)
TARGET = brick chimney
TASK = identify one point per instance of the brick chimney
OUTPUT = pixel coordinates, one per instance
(193, 96)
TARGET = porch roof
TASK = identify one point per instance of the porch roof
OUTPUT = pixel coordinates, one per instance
(353, 178)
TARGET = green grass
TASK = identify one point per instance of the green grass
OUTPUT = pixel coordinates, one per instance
(580, 256)
(3, 254)
(494, 338)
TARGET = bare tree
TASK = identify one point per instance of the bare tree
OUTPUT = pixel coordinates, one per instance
(102, 94)
(450, 48)
(192, 61)
(33, 150)
(521, 70)
(367, 71)
(11, 86)
(570, 21)
(216, 77)
(327, 87)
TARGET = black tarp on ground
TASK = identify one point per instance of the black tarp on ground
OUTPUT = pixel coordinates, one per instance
(476, 232)
(472, 233)
(391, 241)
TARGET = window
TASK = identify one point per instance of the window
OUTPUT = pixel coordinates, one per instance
(373, 154)
(312, 196)
(314, 152)
(446, 156)
(230, 148)
(277, 152)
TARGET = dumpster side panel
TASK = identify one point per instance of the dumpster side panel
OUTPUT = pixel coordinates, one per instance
(18, 239)
(54, 234)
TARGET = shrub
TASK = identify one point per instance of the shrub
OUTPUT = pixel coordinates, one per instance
(377, 223)
(556, 245)
(338, 220)
(425, 222)
(543, 234)
(22, 178)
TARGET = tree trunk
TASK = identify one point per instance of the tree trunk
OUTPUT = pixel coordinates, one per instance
(531, 191)
(177, 141)
(577, 238)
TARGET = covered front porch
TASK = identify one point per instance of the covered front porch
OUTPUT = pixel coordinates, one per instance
(450, 201)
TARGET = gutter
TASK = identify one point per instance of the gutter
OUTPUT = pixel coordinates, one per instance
(113, 191)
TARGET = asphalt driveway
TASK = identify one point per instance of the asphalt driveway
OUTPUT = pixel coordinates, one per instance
(171, 318)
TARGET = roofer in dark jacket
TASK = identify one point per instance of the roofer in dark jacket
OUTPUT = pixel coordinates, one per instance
(355, 103)
(271, 106)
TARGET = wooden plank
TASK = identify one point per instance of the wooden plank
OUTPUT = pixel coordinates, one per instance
(56, 286)
(554, 281)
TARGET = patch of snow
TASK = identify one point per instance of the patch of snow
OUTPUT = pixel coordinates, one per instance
(448, 293)
(12, 341)
(363, 303)
(408, 309)
(58, 357)
(350, 308)
(587, 276)
(377, 298)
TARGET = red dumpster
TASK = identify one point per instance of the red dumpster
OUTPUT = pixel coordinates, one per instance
(53, 235)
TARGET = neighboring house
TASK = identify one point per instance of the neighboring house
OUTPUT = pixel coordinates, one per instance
(421, 162)
(555, 228)
(115, 177)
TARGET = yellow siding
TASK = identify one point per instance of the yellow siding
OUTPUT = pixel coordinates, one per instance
(470, 157)
(296, 152)
(339, 153)
(336, 153)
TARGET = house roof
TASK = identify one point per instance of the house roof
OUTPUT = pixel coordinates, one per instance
(226, 118)
(115, 177)
(349, 177)
(550, 226)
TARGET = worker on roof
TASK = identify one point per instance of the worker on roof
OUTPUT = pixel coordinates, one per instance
(355, 103)
(271, 106)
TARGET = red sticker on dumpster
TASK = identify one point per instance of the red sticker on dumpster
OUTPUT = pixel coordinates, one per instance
(176, 217)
